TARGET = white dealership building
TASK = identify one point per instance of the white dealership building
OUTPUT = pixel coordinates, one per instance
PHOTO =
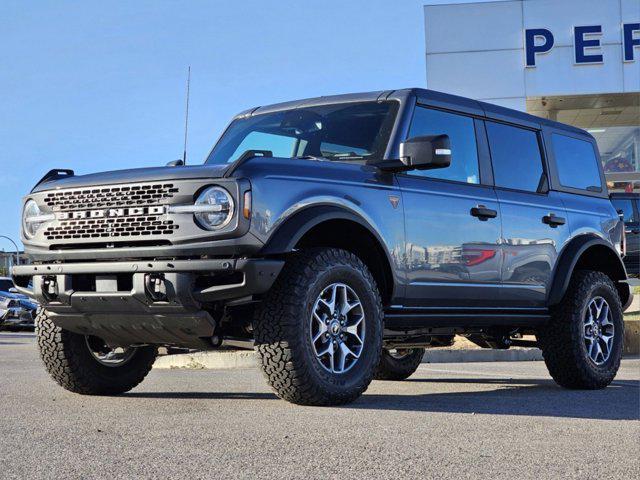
(575, 61)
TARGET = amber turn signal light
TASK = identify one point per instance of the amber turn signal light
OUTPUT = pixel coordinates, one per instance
(246, 209)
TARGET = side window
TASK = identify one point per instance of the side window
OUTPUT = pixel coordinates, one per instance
(462, 134)
(577, 163)
(516, 158)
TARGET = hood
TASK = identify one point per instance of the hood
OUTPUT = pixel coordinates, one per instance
(135, 175)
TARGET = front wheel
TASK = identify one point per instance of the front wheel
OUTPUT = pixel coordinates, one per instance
(582, 344)
(86, 365)
(318, 332)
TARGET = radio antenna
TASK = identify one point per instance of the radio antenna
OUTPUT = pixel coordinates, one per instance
(186, 119)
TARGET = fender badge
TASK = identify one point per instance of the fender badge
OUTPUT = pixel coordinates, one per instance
(394, 200)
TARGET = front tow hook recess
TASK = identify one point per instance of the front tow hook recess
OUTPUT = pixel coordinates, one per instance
(50, 288)
(155, 287)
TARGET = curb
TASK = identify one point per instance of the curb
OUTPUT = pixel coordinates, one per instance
(208, 360)
(631, 337)
(450, 355)
(247, 359)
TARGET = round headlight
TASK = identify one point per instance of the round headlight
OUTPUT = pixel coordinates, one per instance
(216, 208)
(33, 218)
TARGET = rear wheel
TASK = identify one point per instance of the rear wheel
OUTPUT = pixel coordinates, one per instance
(399, 364)
(318, 332)
(85, 364)
(582, 345)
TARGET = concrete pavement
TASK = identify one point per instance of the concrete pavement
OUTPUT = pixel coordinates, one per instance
(481, 420)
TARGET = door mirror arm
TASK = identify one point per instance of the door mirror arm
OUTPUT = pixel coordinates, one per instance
(393, 166)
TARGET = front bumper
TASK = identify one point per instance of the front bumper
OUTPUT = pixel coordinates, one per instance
(158, 302)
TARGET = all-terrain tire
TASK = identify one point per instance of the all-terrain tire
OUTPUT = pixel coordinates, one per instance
(282, 329)
(396, 367)
(562, 340)
(69, 361)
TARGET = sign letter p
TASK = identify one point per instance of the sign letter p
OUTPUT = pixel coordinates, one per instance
(536, 40)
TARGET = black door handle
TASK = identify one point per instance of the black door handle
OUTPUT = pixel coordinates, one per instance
(553, 221)
(483, 213)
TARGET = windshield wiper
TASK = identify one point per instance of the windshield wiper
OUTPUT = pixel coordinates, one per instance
(347, 158)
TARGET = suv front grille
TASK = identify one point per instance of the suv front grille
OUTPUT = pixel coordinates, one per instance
(111, 228)
(110, 197)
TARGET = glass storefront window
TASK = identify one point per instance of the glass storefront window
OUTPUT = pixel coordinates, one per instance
(613, 120)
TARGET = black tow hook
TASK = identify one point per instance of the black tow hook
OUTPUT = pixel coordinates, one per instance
(49, 288)
(155, 287)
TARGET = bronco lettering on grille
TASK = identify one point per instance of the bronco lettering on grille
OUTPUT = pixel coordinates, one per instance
(111, 212)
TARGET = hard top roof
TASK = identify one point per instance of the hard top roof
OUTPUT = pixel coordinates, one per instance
(430, 97)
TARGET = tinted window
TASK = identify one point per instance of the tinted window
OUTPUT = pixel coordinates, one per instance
(338, 132)
(626, 205)
(5, 285)
(577, 163)
(464, 152)
(515, 154)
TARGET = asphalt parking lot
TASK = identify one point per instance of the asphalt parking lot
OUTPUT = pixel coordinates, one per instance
(481, 420)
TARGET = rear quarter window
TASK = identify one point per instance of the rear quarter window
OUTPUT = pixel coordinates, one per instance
(577, 163)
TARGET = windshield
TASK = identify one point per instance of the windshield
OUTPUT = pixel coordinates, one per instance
(338, 132)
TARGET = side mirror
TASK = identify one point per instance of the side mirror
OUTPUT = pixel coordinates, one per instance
(427, 152)
(620, 213)
(176, 163)
(13, 290)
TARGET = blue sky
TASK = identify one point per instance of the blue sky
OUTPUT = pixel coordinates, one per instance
(97, 86)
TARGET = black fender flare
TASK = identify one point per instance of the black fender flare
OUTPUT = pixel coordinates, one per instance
(568, 260)
(287, 235)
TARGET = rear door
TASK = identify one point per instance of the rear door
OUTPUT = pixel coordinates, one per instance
(452, 219)
(534, 220)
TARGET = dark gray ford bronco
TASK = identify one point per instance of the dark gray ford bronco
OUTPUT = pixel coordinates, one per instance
(339, 236)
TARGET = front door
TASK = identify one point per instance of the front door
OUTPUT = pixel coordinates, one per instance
(452, 222)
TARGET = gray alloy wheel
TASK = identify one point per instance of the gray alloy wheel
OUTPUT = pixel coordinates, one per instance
(337, 328)
(399, 354)
(599, 330)
(107, 356)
